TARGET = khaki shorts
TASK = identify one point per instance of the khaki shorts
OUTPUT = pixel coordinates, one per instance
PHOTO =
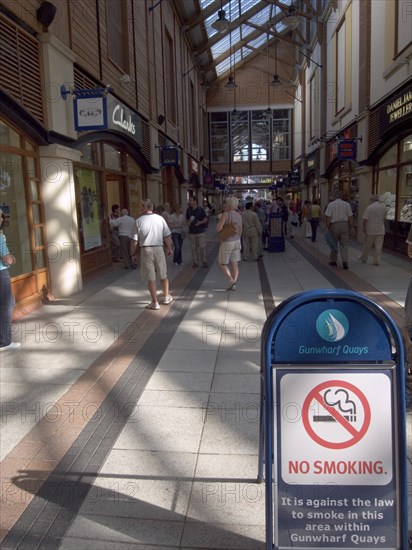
(229, 251)
(153, 263)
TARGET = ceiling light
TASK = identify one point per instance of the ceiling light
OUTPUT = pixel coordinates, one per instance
(292, 18)
(231, 84)
(276, 81)
(221, 24)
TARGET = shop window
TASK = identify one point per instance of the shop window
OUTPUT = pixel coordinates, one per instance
(133, 166)
(170, 80)
(239, 124)
(19, 191)
(405, 192)
(395, 188)
(13, 200)
(252, 136)
(403, 23)
(314, 105)
(117, 39)
(260, 134)
(406, 152)
(90, 153)
(112, 158)
(343, 62)
(281, 134)
(90, 207)
(219, 137)
(8, 136)
(389, 158)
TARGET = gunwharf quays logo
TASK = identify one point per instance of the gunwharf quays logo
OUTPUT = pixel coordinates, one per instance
(332, 325)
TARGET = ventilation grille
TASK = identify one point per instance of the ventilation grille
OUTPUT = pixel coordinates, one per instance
(20, 68)
(374, 130)
(82, 81)
(146, 140)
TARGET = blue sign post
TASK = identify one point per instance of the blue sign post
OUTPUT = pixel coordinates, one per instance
(332, 436)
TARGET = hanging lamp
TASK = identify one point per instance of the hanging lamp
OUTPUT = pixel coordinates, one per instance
(268, 111)
(230, 84)
(291, 20)
(221, 24)
(276, 80)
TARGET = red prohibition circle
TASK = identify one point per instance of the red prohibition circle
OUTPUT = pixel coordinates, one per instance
(356, 435)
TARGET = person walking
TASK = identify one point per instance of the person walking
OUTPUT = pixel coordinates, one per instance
(114, 233)
(6, 295)
(251, 233)
(152, 234)
(177, 225)
(373, 225)
(339, 221)
(306, 226)
(124, 224)
(314, 219)
(197, 221)
(230, 247)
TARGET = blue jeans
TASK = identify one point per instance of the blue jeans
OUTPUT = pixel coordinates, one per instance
(177, 243)
(6, 307)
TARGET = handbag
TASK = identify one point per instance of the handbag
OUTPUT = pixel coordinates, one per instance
(227, 231)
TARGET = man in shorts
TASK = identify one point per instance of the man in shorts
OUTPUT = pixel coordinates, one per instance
(152, 233)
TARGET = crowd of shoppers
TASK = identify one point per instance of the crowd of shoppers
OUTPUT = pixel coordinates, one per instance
(161, 231)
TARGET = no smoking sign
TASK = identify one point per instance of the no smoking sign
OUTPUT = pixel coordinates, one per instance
(336, 414)
(336, 427)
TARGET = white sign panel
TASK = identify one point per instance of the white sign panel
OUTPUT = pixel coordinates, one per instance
(336, 427)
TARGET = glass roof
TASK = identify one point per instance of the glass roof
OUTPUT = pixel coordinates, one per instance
(230, 44)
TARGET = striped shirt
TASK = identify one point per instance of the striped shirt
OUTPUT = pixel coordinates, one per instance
(338, 211)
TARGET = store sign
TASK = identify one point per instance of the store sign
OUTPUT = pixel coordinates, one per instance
(124, 120)
(396, 110)
(347, 149)
(209, 181)
(90, 112)
(400, 107)
(169, 156)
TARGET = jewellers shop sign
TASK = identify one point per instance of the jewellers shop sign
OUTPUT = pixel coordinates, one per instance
(122, 119)
(396, 110)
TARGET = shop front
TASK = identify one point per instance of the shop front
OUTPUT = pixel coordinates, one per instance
(112, 170)
(22, 204)
(312, 177)
(343, 168)
(391, 160)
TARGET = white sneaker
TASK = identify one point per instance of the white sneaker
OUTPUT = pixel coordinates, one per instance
(168, 300)
(153, 305)
(13, 345)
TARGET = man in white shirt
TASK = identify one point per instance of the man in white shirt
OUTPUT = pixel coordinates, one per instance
(125, 224)
(374, 228)
(151, 232)
(339, 221)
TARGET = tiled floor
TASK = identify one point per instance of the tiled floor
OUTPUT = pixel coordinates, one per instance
(125, 428)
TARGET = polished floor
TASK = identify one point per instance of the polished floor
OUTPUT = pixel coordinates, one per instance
(124, 428)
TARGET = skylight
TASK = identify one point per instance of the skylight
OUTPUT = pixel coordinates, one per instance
(234, 10)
